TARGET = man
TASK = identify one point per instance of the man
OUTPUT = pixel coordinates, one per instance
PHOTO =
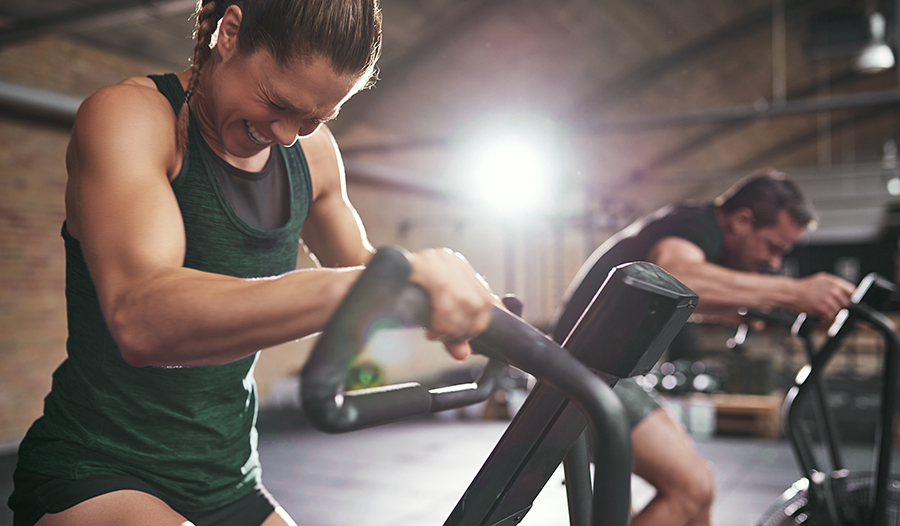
(720, 250)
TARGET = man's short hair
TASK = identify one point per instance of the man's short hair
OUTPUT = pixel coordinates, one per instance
(766, 193)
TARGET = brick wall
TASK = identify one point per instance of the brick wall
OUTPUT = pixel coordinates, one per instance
(32, 309)
(32, 186)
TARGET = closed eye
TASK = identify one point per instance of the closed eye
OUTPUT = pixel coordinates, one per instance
(775, 249)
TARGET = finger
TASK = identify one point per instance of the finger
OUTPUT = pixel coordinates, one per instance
(843, 299)
(834, 308)
(460, 350)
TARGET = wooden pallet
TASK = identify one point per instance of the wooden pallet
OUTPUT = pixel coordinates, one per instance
(748, 415)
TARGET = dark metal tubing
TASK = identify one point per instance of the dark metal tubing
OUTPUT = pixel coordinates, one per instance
(879, 498)
(611, 503)
(824, 416)
(792, 404)
(802, 327)
(577, 468)
(805, 387)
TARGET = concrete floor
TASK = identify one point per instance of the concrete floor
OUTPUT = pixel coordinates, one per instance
(414, 473)
(411, 474)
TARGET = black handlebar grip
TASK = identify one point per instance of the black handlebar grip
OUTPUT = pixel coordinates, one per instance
(513, 304)
(381, 298)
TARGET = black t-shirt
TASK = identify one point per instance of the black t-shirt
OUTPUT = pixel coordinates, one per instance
(693, 222)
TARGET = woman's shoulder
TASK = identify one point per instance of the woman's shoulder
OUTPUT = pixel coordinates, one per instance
(130, 116)
(134, 101)
(323, 159)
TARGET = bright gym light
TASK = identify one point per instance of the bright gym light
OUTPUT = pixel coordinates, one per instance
(511, 173)
(512, 166)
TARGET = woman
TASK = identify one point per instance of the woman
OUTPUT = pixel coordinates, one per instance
(182, 230)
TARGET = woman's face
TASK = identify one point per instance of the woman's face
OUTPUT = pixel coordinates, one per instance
(250, 102)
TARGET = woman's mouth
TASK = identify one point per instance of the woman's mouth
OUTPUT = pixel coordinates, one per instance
(255, 136)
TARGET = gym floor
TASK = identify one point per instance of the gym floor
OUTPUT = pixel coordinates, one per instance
(413, 473)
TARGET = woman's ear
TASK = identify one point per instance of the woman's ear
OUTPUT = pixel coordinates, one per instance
(227, 33)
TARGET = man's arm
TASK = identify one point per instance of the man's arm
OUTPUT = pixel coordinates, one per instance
(723, 290)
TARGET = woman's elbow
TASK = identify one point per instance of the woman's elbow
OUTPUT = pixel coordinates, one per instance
(137, 347)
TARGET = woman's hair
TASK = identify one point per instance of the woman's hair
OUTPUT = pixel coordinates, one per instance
(766, 193)
(346, 32)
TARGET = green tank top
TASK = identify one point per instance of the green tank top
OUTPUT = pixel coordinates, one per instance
(189, 432)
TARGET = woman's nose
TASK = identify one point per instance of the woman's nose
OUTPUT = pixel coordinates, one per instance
(285, 131)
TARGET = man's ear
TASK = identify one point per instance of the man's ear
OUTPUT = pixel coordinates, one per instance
(741, 221)
(229, 27)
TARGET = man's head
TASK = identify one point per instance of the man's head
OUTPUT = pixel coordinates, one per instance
(763, 216)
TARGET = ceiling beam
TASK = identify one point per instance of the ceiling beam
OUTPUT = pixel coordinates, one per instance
(444, 30)
(104, 15)
(734, 114)
(791, 144)
(386, 178)
(721, 131)
(638, 78)
(41, 104)
(748, 113)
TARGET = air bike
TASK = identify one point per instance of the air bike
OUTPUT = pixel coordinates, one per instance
(829, 494)
(630, 322)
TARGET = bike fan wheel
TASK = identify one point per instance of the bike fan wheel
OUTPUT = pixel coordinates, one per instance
(851, 493)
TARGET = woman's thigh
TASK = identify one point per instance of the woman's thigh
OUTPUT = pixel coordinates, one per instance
(279, 517)
(123, 507)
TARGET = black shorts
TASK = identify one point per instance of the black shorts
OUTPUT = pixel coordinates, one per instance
(36, 495)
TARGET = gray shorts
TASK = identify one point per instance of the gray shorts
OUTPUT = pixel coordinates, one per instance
(638, 402)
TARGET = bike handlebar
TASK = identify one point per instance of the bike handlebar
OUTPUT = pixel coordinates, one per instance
(383, 298)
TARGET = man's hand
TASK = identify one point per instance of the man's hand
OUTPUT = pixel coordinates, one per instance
(822, 295)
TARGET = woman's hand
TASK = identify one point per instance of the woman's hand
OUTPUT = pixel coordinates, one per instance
(461, 300)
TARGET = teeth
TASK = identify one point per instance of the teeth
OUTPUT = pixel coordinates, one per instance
(255, 136)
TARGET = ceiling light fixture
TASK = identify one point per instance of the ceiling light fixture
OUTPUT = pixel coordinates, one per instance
(877, 55)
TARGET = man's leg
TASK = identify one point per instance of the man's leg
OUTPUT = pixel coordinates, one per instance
(664, 455)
